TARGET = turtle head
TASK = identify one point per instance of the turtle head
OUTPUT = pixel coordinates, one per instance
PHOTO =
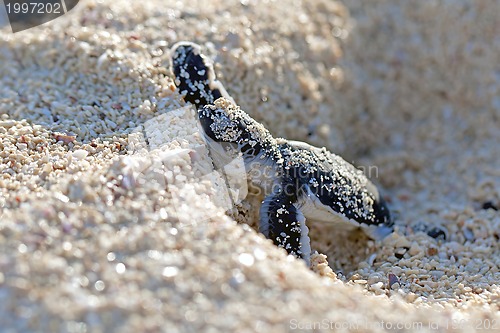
(221, 119)
(194, 75)
(224, 122)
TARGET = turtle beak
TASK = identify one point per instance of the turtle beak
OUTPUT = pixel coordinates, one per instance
(384, 224)
(382, 213)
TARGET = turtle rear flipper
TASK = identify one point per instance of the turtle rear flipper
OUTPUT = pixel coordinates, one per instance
(283, 223)
(195, 76)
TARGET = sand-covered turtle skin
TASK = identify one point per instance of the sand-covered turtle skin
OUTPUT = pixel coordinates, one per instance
(300, 182)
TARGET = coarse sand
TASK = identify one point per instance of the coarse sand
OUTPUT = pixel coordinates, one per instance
(113, 218)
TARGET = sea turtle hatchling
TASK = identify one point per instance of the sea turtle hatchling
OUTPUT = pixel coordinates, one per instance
(299, 181)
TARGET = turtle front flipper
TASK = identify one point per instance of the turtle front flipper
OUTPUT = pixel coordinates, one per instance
(283, 223)
(195, 76)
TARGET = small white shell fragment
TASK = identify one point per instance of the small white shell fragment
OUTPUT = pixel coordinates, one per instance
(246, 259)
(377, 286)
(47, 167)
(259, 254)
(102, 60)
(170, 271)
(371, 259)
(80, 154)
(120, 268)
(415, 249)
(22, 146)
(7, 123)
